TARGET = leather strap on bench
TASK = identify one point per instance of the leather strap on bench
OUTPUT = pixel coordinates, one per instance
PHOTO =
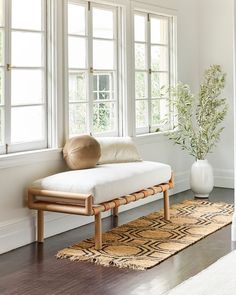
(133, 197)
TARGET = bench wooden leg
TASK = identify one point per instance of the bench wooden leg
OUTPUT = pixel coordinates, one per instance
(166, 205)
(98, 231)
(40, 228)
(115, 211)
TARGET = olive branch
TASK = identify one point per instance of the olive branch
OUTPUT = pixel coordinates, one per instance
(198, 119)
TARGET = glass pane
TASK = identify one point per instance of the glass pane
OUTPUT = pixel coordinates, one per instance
(1, 86)
(102, 23)
(141, 88)
(76, 52)
(103, 86)
(155, 112)
(102, 96)
(95, 82)
(76, 19)
(159, 30)
(140, 56)
(104, 117)
(1, 126)
(27, 14)
(104, 82)
(26, 87)
(139, 28)
(1, 13)
(78, 118)
(159, 58)
(160, 111)
(27, 124)
(103, 54)
(26, 49)
(141, 113)
(160, 83)
(77, 86)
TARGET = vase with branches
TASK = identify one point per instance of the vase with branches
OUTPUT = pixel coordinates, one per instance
(198, 127)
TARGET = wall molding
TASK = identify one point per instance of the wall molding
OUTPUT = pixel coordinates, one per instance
(224, 178)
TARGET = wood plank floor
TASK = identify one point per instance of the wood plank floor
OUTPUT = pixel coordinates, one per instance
(34, 270)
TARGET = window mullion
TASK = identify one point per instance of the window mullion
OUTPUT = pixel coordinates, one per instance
(7, 53)
(90, 67)
(171, 69)
(116, 93)
(148, 28)
(47, 115)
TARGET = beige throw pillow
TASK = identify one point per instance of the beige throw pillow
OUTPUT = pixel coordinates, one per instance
(117, 150)
(81, 152)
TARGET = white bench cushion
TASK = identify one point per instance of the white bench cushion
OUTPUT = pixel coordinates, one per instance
(108, 181)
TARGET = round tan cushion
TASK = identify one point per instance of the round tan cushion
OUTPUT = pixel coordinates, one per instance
(81, 152)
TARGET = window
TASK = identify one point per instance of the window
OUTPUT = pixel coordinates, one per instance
(83, 76)
(92, 69)
(152, 71)
(22, 75)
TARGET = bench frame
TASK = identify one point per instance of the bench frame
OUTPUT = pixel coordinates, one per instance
(82, 204)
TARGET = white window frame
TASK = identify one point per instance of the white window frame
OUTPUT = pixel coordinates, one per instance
(89, 70)
(57, 87)
(148, 12)
(9, 147)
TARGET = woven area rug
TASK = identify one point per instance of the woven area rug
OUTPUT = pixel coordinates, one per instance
(147, 241)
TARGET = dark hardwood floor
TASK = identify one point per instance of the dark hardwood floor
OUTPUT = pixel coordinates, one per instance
(33, 269)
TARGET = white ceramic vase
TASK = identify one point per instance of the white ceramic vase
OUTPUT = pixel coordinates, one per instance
(201, 178)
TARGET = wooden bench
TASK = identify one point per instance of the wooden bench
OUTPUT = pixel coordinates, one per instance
(42, 197)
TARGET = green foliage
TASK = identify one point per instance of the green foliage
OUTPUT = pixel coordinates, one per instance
(198, 118)
(103, 118)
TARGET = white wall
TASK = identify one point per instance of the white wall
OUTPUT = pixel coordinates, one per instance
(17, 222)
(234, 217)
(216, 47)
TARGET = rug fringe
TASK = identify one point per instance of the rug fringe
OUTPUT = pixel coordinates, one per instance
(97, 261)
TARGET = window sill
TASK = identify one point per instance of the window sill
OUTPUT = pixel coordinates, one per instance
(157, 137)
(30, 157)
(44, 155)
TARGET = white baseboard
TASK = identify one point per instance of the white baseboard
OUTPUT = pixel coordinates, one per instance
(224, 178)
(16, 233)
(20, 232)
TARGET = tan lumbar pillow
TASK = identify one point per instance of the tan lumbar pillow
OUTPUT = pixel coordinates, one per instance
(81, 152)
(117, 150)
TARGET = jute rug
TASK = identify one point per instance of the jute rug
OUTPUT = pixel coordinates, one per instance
(147, 241)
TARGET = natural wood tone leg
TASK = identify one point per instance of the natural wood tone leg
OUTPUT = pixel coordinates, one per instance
(40, 227)
(98, 231)
(166, 205)
(115, 211)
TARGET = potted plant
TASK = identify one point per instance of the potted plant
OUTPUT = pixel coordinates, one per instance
(197, 125)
